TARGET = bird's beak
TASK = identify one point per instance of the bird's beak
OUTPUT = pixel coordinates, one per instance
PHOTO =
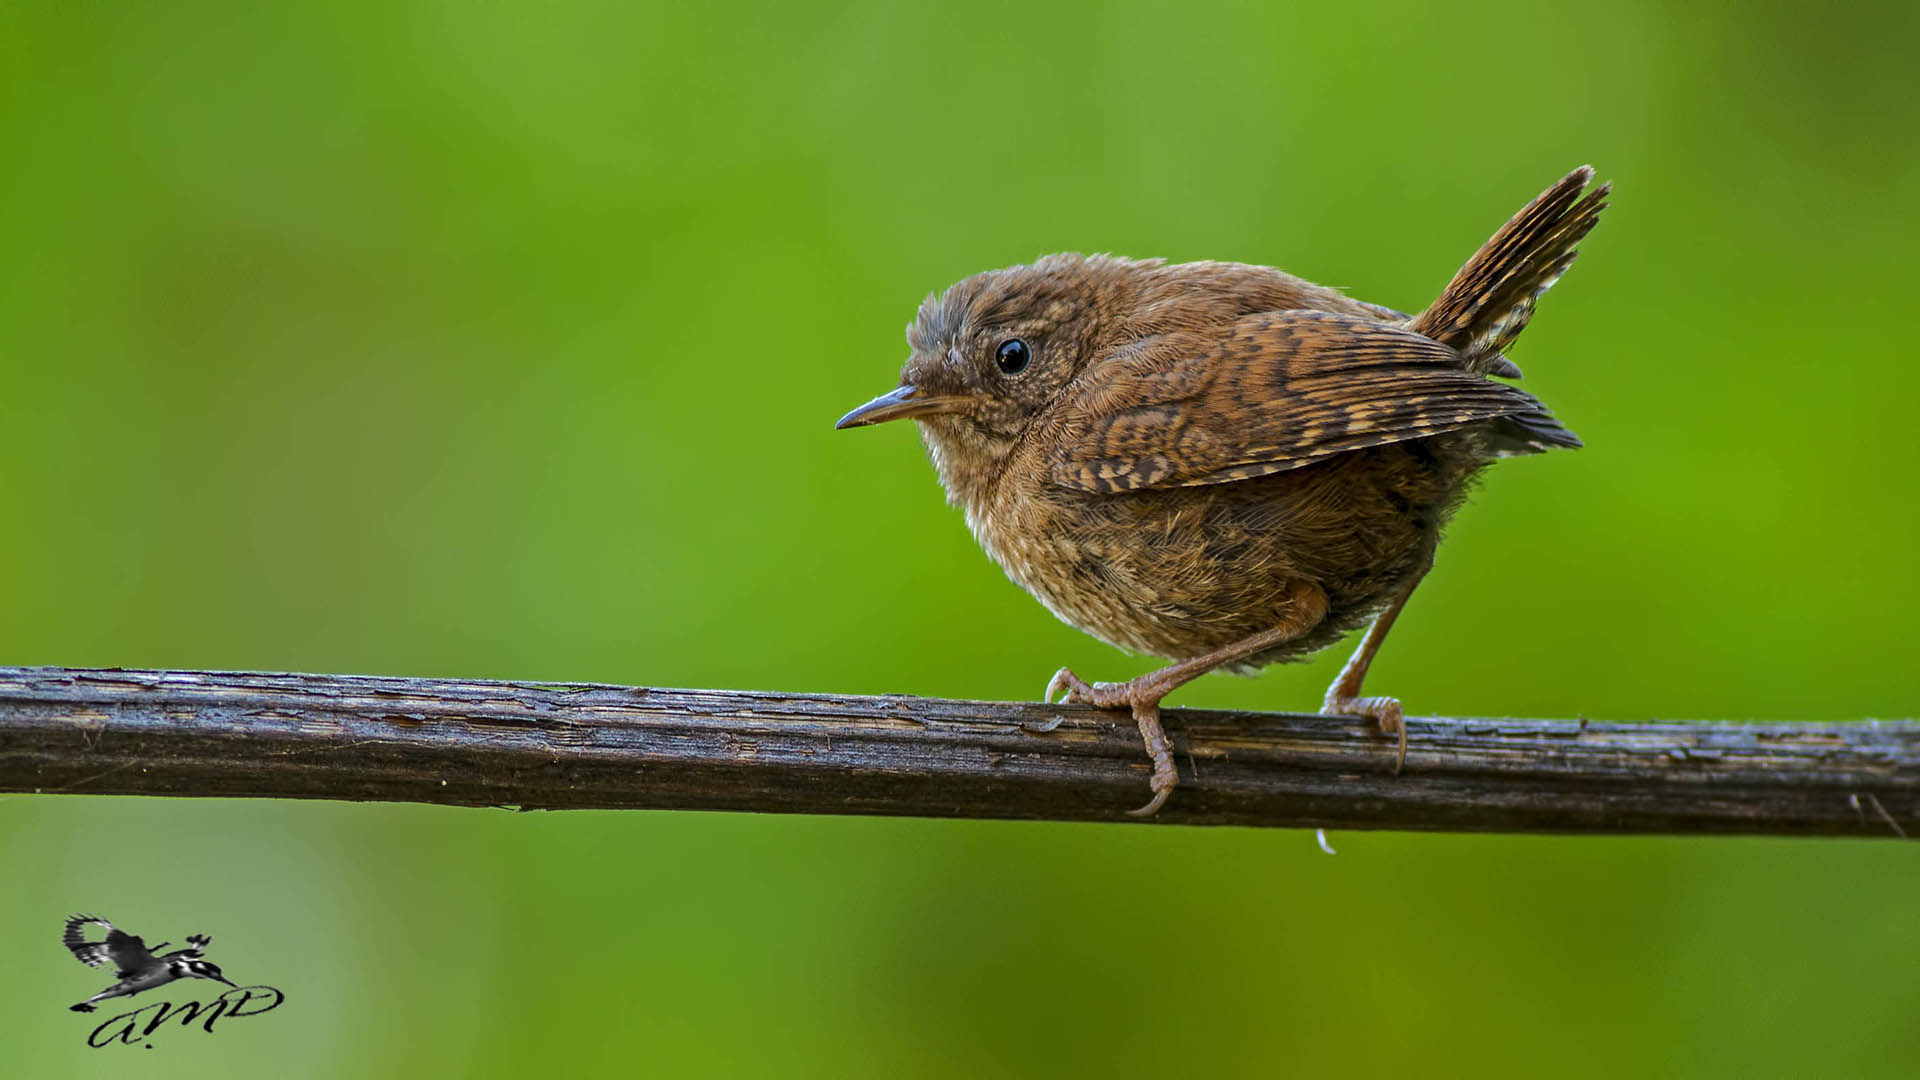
(226, 980)
(908, 401)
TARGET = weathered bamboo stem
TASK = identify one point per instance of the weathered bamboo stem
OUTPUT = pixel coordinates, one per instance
(546, 746)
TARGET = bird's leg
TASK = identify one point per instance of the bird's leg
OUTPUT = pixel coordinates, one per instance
(1306, 606)
(1343, 697)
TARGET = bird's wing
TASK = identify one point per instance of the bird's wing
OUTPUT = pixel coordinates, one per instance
(1497, 363)
(90, 953)
(128, 953)
(1282, 390)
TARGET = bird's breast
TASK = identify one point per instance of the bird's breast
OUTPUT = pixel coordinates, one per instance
(1157, 572)
(1177, 572)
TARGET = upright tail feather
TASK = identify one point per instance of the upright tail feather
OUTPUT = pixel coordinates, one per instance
(1489, 301)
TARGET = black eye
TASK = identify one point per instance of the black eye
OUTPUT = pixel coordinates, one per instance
(1013, 356)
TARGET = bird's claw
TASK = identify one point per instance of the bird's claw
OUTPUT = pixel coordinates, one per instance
(1384, 711)
(1074, 686)
(1100, 695)
(1165, 778)
(1145, 706)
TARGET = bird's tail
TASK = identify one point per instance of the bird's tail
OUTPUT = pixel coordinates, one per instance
(1489, 301)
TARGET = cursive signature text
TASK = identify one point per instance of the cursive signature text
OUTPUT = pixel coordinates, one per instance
(140, 1024)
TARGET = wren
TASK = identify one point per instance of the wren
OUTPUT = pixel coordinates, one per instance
(1222, 464)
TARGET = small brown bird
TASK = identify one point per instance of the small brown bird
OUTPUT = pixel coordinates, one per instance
(1223, 464)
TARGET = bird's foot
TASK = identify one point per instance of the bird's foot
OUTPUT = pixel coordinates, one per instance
(1102, 695)
(1142, 696)
(1384, 711)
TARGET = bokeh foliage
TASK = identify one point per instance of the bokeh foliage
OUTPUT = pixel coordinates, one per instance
(504, 340)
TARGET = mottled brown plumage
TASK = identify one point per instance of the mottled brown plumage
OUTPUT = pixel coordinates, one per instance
(1224, 464)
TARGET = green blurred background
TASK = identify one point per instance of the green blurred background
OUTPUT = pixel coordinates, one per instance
(505, 341)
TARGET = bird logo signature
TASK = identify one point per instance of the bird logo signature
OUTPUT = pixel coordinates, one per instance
(136, 966)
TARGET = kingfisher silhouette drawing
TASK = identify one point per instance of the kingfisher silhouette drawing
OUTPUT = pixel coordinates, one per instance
(136, 966)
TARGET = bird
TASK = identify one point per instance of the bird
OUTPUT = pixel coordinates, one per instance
(137, 967)
(1221, 464)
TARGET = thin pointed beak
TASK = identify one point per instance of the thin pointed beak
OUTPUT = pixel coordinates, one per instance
(228, 981)
(907, 401)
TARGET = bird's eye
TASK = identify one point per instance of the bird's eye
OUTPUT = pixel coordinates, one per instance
(1013, 356)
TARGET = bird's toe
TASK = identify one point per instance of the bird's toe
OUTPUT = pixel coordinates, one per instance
(1384, 711)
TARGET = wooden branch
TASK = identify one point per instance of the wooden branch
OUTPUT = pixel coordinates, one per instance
(543, 746)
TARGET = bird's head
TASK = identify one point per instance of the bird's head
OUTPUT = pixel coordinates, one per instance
(992, 352)
(203, 969)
